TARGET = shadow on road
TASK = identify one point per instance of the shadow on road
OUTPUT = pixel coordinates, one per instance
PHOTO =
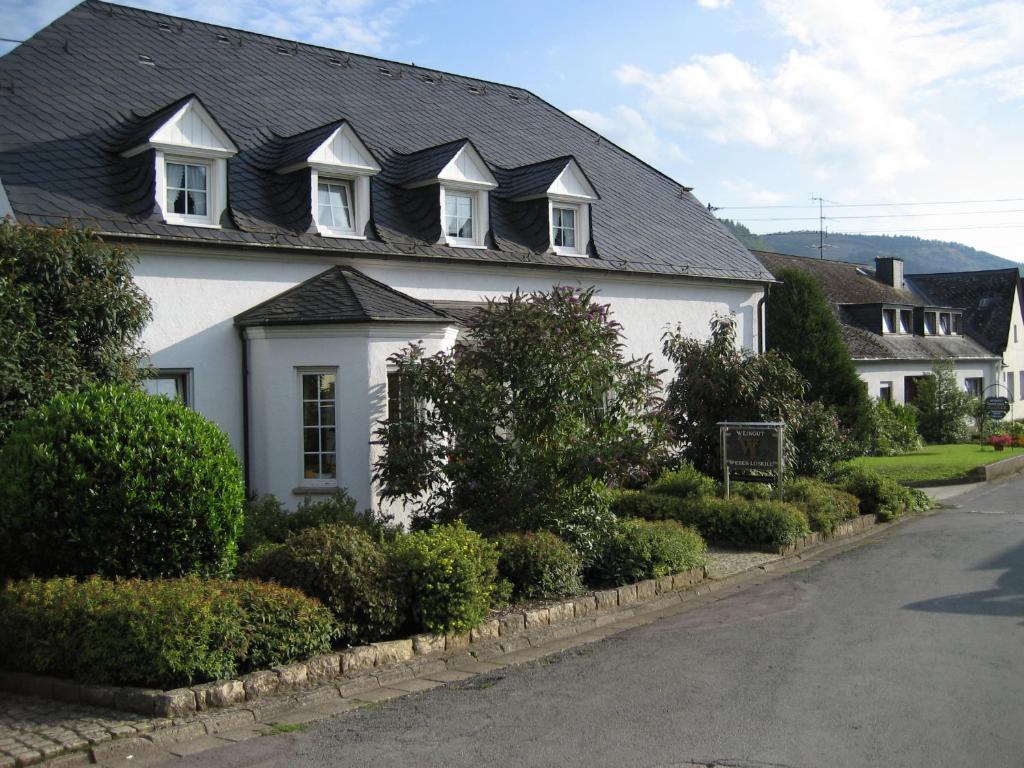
(1007, 599)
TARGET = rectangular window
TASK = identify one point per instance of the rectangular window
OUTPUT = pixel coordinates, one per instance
(958, 324)
(335, 205)
(170, 384)
(458, 215)
(888, 321)
(929, 323)
(885, 391)
(319, 425)
(906, 321)
(187, 189)
(944, 324)
(1009, 386)
(563, 227)
(974, 386)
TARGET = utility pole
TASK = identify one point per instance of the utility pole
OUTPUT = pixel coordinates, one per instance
(821, 226)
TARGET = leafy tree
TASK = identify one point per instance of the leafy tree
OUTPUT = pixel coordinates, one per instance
(70, 314)
(717, 381)
(519, 425)
(942, 406)
(801, 326)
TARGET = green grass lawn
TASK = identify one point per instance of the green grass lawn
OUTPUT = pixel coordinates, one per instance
(936, 462)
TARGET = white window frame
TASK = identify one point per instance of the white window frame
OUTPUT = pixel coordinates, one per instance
(971, 390)
(934, 323)
(906, 320)
(317, 482)
(582, 226)
(354, 205)
(890, 318)
(882, 387)
(182, 377)
(481, 215)
(946, 330)
(216, 188)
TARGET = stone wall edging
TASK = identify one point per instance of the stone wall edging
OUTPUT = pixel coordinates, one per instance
(515, 630)
(1002, 468)
(842, 531)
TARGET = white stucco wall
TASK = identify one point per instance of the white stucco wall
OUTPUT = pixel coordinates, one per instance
(1013, 362)
(196, 295)
(875, 372)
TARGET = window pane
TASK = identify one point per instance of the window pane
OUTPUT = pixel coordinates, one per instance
(198, 204)
(327, 439)
(309, 386)
(327, 415)
(327, 386)
(328, 466)
(175, 175)
(326, 217)
(311, 465)
(309, 414)
(310, 439)
(176, 200)
(196, 176)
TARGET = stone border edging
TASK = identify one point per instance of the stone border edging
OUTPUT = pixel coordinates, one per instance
(513, 631)
(844, 530)
(1002, 468)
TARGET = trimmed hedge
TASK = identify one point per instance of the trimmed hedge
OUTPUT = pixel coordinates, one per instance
(734, 522)
(449, 572)
(825, 505)
(687, 482)
(343, 567)
(539, 566)
(880, 495)
(112, 481)
(640, 549)
(162, 633)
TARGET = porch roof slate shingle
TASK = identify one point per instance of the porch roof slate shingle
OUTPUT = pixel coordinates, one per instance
(71, 93)
(844, 283)
(341, 294)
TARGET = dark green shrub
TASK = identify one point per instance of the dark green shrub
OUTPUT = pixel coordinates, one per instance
(734, 522)
(268, 521)
(641, 549)
(449, 572)
(115, 482)
(540, 566)
(880, 495)
(161, 633)
(942, 405)
(282, 624)
(819, 440)
(825, 505)
(344, 568)
(754, 491)
(687, 482)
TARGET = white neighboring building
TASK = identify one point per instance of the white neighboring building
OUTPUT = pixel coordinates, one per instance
(896, 326)
(300, 214)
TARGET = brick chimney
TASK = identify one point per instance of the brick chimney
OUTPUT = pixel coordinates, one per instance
(889, 270)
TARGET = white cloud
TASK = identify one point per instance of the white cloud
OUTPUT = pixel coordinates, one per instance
(852, 86)
(714, 4)
(747, 192)
(628, 128)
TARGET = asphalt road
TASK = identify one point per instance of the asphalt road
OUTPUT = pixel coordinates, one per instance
(905, 651)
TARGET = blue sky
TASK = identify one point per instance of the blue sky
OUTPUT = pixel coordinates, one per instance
(751, 103)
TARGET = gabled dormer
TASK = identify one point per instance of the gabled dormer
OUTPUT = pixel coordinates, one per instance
(340, 166)
(463, 182)
(569, 195)
(190, 152)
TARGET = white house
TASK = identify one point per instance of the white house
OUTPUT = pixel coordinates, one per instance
(896, 326)
(301, 213)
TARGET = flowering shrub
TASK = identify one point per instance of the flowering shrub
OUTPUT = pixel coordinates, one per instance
(522, 418)
(999, 442)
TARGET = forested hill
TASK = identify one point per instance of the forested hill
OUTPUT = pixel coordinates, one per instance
(919, 255)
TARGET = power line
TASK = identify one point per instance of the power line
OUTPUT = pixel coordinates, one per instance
(867, 205)
(932, 229)
(884, 215)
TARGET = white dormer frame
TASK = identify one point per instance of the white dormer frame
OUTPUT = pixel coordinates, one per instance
(343, 157)
(572, 190)
(191, 136)
(465, 174)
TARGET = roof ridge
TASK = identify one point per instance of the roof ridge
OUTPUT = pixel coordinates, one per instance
(389, 288)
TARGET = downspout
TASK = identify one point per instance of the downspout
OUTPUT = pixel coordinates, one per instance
(762, 346)
(245, 410)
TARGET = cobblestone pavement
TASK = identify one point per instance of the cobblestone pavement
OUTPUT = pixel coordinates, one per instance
(33, 729)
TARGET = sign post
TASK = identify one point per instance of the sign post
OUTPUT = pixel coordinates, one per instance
(751, 449)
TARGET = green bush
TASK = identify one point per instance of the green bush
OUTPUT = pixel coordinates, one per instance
(754, 491)
(268, 521)
(825, 506)
(112, 481)
(641, 549)
(880, 495)
(161, 633)
(344, 568)
(734, 522)
(893, 429)
(449, 572)
(687, 482)
(820, 441)
(540, 566)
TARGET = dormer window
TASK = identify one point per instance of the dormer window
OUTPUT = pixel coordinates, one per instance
(906, 320)
(929, 323)
(958, 323)
(945, 325)
(458, 217)
(339, 167)
(191, 151)
(888, 321)
(563, 227)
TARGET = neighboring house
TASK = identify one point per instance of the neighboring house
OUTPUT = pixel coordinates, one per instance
(300, 214)
(896, 326)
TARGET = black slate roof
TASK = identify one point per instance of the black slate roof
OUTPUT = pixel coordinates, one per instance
(986, 298)
(340, 295)
(70, 95)
(848, 286)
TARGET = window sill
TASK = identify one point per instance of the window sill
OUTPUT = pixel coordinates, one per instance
(315, 490)
(340, 235)
(568, 252)
(206, 224)
(464, 244)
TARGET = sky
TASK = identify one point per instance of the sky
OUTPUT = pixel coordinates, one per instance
(904, 117)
